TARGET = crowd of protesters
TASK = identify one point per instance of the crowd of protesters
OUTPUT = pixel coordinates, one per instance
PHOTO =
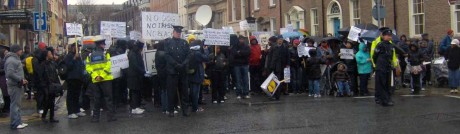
(186, 68)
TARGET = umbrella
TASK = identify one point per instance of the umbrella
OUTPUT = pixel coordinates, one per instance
(304, 32)
(344, 31)
(292, 34)
(367, 26)
(332, 39)
(374, 34)
(2, 36)
(315, 38)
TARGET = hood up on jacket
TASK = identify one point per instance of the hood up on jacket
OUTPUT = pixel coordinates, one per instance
(413, 45)
(11, 54)
(253, 38)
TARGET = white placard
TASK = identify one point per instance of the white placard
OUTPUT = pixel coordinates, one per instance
(262, 38)
(74, 29)
(217, 37)
(270, 85)
(304, 50)
(283, 30)
(354, 33)
(229, 29)
(287, 75)
(119, 62)
(114, 29)
(149, 61)
(108, 40)
(158, 25)
(244, 25)
(347, 54)
(135, 35)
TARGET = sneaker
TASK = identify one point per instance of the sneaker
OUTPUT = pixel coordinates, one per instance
(238, 97)
(136, 111)
(81, 114)
(25, 124)
(140, 109)
(82, 110)
(215, 102)
(40, 111)
(316, 96)
(175, 112)
(309, 95)
(20, 126)
(225, 98)
(319, 95)
(423, 89)
(247, 97)
(72, 116)
(222, 101)
(200, 110)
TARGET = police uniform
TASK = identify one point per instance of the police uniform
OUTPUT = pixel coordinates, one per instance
(177, 57)
(383, 58)
(98, 65)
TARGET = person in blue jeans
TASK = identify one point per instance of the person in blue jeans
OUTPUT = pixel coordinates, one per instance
(341, 78)
(313, 68)
(198, 56)
(363, 59)
(14, 73)
(453, 63)
(239, 58)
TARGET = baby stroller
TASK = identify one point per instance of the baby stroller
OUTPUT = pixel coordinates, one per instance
(441, 72)
(327, 85)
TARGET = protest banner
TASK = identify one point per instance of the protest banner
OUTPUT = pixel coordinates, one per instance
(158, 25)
(287, 74)
(263, 37)
(354, 33)
(74, 29)
(149, 61)
(114, 29)
(347, 54)
(135, 35)
(270, 85)
(119, 62)
(216, 37)
(303, 50)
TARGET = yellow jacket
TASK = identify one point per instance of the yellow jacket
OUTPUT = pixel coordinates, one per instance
(374, 44)
(95, 66)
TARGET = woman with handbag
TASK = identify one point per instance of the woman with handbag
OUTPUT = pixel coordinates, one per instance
(52, 86)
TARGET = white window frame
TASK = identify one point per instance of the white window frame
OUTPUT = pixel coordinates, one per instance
(314, 22)
(256, 5)
(455, 21)
(272, 3)
(273, 25)
(353, 18)
(412, 19)
(243, 9)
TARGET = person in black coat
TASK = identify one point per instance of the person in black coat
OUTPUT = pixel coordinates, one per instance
(279, 59)
(453, 63)
(135, 77)
(352, 67)
(120, 89)
(239, 59)
(160, 65)
(199, 55)
(36, 61)
(416, 58)
(313, 71)
(404, 45)
(296, 67)
(48, 77)
(74, 65)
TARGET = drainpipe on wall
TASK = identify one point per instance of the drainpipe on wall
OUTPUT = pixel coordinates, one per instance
(395, 17)
(322, 15)
(281, 17)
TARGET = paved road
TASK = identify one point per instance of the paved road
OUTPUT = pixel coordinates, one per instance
(432, 113)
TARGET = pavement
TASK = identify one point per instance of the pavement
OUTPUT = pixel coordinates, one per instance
(435, 111)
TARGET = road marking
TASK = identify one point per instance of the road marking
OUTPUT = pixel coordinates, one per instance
(451, 96)
(413, 95)
(364, 97)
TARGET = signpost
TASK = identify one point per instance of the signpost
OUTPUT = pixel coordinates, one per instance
(39, 22)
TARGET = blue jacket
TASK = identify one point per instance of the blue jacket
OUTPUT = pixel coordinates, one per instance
(445, 44)
(200, 56)
(364, 66)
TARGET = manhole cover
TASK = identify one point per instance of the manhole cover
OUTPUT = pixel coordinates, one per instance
(439, 116)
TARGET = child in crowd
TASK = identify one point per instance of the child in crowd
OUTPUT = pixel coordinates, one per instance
(218, 65)
(415, 61)
(314, 73)
(341, 78)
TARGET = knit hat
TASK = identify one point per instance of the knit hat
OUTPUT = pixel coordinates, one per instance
(455, 42)
(296, 41)
(15, 48)
(42, 45)
(450, 31)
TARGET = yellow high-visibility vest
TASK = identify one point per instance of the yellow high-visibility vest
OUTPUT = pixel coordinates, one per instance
(99, 65)
(374, 45)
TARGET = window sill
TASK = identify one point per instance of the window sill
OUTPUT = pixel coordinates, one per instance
(272, 6)
(256, 10)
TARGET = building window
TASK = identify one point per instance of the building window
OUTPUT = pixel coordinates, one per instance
(273, 24)
(272, 3)
(233, 10)
(243, 9)
(418, 17)
(335, 9)
(218, 20)
(256, 5)
(455, 18)
(355, 12)
(314, 22)
(295, 16)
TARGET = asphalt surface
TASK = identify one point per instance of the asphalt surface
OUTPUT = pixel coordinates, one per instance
(433, 112)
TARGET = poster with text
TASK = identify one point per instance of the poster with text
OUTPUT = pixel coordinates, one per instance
(354, 33)
(119, 62)
(347, 54)
(262, 38)
(74, 29)
(216, 37)
(158, 25)
(114, 29)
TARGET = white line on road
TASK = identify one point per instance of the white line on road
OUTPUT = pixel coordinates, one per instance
(413, 95)
(451, 96)
(364, 97)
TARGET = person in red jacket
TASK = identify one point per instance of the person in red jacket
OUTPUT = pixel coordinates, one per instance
(255, 67)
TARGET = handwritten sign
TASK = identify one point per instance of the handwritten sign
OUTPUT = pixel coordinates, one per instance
(303, 50)
(229, 29)
(347, 54)
(74, 29)
(270, 85)
(354, 33)
(135, 35)
(149, 61)
(114, 29)
(158, 25)
(119, 62)
(217, 37)
(263, 37)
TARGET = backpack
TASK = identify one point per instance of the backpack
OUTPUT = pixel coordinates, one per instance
(193, 64)
(62, 70)
(29, 65)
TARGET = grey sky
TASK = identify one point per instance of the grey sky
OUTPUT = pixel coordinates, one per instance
(73, 2)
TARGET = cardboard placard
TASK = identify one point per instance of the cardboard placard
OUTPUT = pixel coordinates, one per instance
(216, 37)
(158, 25)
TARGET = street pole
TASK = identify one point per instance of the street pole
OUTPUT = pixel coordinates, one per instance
(40, 34)
(377, 3)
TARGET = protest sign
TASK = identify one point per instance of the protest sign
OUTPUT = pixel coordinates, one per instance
(303, 50)
(270, 85)
(287, 75)
(135, 35)
(119, 62)
(114, 29)
(354, 33)
(158, 25)
(347, 54)
(229, 29)
(74, 29)
(244, 25)
(217, 37)
(263, 37)
(149, 61)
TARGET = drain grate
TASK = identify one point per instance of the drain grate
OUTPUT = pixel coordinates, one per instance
(439, 116)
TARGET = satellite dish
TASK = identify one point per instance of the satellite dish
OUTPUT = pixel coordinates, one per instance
(203, 15)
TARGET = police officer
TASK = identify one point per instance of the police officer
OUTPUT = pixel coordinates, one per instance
(177, 57)
(98, 67)
(384, 59)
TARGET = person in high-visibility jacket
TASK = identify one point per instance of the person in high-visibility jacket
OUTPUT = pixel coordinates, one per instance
(98, 67)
